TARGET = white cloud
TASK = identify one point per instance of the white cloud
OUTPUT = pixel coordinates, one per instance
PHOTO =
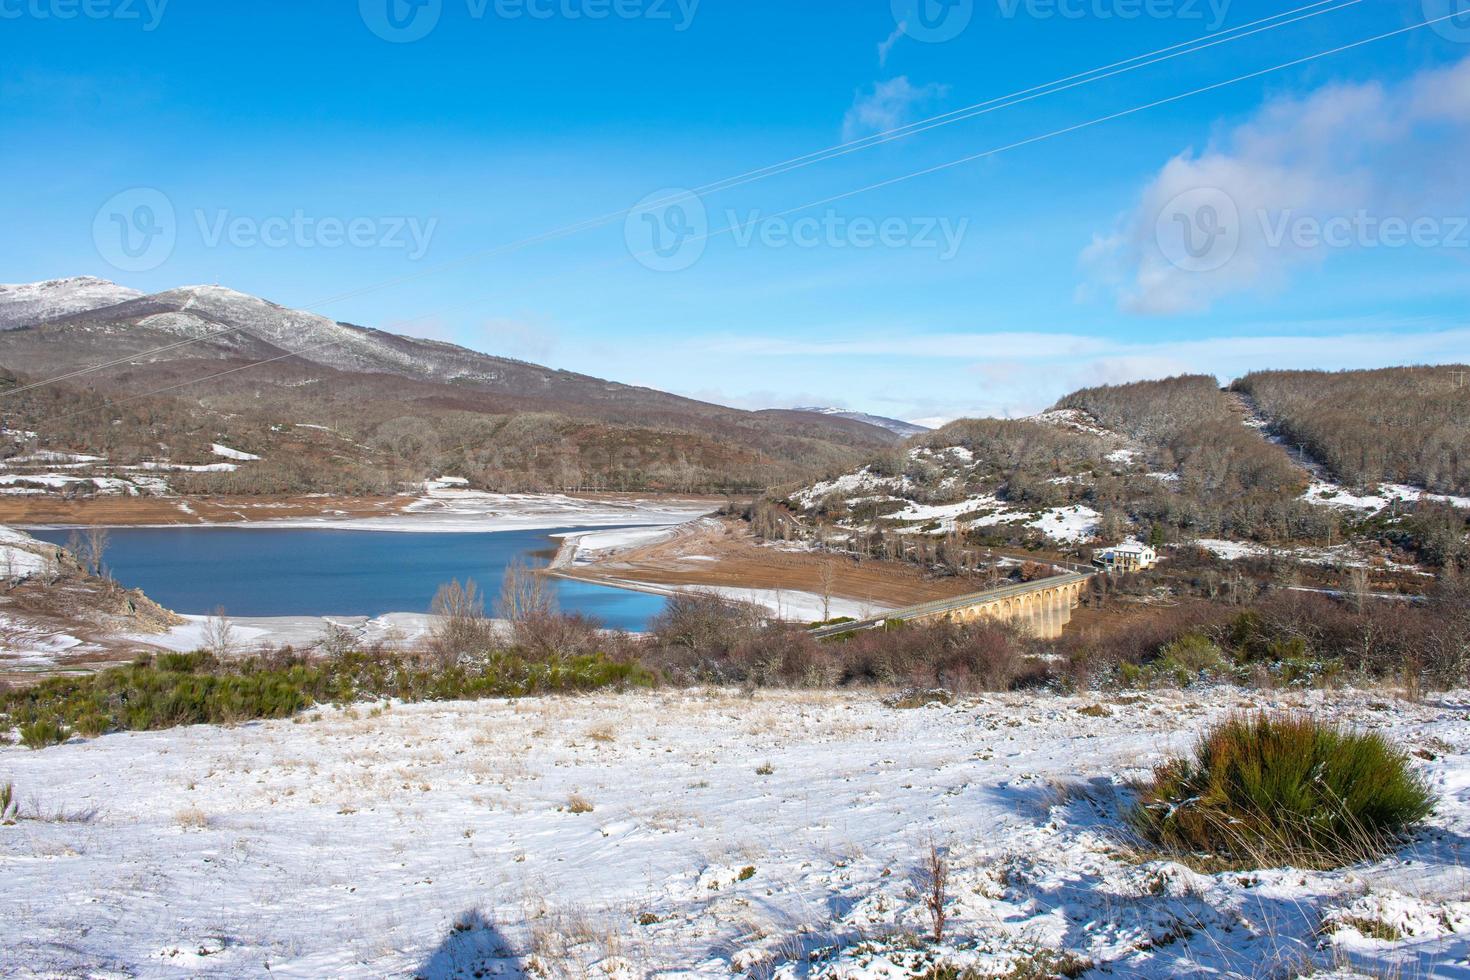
(887, 105)
(885, 48)
(1345, 157)
(1008, 374)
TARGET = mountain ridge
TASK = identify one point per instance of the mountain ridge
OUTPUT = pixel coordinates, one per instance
(267, 360)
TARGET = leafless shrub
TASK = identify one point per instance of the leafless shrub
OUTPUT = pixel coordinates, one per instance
(219, 637)
(934, 886)
(461, 629)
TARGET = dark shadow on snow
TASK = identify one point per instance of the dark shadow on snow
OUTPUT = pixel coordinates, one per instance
(474, 948)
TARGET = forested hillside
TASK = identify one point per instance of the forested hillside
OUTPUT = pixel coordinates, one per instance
(1225, 479)
(154, 381)
(362, 435)
(1397, 425)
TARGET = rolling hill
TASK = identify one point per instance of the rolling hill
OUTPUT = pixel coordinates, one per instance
(403, 407)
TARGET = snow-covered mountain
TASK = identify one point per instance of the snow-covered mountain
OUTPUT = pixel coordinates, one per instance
(896, 426)
(24, 304)
(258, 357)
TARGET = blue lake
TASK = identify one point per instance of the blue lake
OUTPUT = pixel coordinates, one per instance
(317, 572)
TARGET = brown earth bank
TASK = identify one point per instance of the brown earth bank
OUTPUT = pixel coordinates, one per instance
(743, 563)
(133, 511)
(141, 511)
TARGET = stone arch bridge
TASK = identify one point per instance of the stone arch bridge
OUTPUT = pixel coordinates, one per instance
(1043, 606)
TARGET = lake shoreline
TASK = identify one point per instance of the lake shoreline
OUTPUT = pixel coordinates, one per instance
(440, 509)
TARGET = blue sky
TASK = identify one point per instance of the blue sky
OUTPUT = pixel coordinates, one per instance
(262, 134)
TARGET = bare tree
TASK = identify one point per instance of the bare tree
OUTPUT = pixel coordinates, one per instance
(524, 594)
(1358, 587)
(827, 577)
(934, 882)
(461, 628)
(219, 636)
(98, 538)
(89, 547)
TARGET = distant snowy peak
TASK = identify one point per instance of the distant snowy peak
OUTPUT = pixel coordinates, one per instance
(26, 304)
(897, 426)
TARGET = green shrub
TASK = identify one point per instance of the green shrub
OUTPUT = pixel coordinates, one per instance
(41, 733)
(195, 689)
(1264, 790)
(8, 807)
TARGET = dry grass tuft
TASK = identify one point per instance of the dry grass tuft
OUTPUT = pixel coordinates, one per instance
(191, 818)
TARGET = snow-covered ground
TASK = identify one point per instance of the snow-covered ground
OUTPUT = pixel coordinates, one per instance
(449, 508)
(586, 547)
(248, 634)
(776, 835)
(1330, 494)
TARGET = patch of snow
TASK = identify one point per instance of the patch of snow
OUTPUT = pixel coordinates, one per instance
(585, 547)
(1327, 493)
(450, 509)
(234, 454)
(190, 468)
(1070, 418)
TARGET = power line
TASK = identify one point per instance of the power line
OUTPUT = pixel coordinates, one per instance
(1057, 86)
(897, 180)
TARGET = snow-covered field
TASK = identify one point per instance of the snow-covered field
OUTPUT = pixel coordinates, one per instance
(775, 835)
(447, 507)
(251, 633)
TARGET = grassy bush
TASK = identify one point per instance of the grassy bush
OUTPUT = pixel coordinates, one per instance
(42, 732)
(191, 689)
(1266, 790)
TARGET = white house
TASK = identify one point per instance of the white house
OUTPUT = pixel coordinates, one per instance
(1130, 556)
